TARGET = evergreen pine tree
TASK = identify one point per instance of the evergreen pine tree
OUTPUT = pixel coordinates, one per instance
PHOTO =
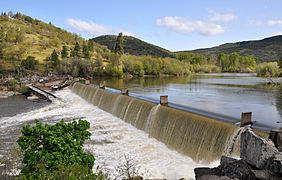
(85, 51)
(54, 58)
(64, 52)
(72, 53)
(90, 45)
(119, 44)
(2, 34)
(1, 52)
(76, 49)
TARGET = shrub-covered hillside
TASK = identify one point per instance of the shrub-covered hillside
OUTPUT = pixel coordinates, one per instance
(265, 50)
(134, 46)
(22, 36)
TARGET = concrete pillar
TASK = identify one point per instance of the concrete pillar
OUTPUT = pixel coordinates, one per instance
(124, 91)
(87, 81)
(246, 118)
(276, 136)
(101, 85)
(164, 100)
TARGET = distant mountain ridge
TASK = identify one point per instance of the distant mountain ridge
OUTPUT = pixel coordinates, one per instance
(133, 46)
(267, 49)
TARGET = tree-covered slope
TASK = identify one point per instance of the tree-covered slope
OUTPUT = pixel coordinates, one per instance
(133, 46)
(22, 36)
(268, 49)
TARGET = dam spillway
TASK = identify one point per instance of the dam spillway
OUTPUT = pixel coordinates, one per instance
(201, 138)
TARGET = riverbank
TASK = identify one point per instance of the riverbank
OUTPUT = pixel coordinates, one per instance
(19, 86)
(6, 94)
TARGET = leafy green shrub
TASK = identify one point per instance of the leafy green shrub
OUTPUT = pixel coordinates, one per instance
(113, 71)
(29, 63)
(25, 90)
(268, 69)
(76, 67)
(55, 148)
(11, 84)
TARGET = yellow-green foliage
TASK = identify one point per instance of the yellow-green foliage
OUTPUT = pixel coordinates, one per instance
(270, 69)
(147, 65)
(22, 36)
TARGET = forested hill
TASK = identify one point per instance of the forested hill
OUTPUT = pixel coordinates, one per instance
(22, 36)
(268, 49)
(134, 46)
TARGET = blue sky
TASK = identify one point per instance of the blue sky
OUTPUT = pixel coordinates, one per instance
(174, 25)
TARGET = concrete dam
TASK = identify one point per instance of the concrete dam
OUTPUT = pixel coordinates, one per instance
(199, 137)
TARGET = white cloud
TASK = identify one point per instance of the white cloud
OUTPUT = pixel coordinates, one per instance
(93, 29)
(255, 23)
(186, 25)
(277, 34)
(89, 28)
(222, 17)
(274, 22)
(124, 32)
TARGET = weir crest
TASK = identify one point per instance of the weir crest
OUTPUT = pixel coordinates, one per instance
(201, 138)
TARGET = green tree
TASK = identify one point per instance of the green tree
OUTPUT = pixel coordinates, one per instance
(85, 51)
(115, 59)
(147, 67)
(64, 53)
(270, 69)
(54, 58)
(51, 146)
(19, 36)
(119, 44)
(98, 64)
(2, 42)
(29, 63)
(90, 45)
(72, 53)
(280, 62)
(138, 68)
(76, 50)
(223, 61)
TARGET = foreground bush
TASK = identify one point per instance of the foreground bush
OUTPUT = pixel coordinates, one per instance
(54, 151)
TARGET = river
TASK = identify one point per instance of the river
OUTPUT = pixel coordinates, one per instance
(113, 138)
(225, 94)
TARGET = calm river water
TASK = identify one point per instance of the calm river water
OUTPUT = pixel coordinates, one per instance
(226, 94)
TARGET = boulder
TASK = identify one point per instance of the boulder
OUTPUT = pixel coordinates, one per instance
(33, 97)
(274, 163)
(256, 150)
(229, 167)
(137, 178)
(263, 175)
(276, 136)
(205, 171)
(213, 177)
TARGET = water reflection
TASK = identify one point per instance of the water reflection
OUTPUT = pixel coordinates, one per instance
(227, 94)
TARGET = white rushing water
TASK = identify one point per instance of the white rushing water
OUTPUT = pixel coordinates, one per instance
(112, 139)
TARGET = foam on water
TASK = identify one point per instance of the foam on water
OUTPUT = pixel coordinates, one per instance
(112, 138)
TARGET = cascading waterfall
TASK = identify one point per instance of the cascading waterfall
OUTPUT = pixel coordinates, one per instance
(151, 118)
(199, 137)
(232, 143)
